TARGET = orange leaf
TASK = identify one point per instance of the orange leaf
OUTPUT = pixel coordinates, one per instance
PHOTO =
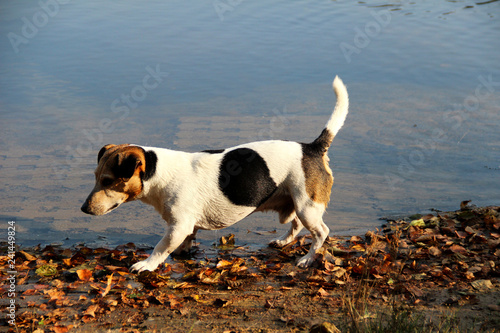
(329, 266)
(358, 247)
(62, 329)
(458, 249)
(323, 293)
(116, 268)
(54, 293)
(108, 287)
(28, 256)
(84, 274)
(91, 310)
(40, 286)
(224, 263)
(356, 239)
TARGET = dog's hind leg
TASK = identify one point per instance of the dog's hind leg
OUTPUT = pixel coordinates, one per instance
(176, 234)
(311, 217)
(290, 235)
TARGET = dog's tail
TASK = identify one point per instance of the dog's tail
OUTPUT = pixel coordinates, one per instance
(337, 118)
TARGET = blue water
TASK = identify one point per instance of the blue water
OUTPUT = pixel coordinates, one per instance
(423, 78)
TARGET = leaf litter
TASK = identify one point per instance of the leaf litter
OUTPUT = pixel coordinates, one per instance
(437, 260)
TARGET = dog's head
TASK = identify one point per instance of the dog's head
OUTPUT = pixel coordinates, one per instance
(119, 178)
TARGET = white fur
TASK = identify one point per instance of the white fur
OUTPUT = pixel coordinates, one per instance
(339, 114)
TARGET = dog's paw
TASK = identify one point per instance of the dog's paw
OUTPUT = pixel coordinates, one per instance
(306, 261)
(145, 265)
(277, 243)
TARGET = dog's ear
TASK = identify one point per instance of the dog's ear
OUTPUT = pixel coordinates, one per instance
(125, 166)
(102, 151)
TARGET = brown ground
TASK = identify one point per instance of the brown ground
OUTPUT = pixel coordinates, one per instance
(432, 273)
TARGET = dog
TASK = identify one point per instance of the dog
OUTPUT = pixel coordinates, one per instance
(214, 189)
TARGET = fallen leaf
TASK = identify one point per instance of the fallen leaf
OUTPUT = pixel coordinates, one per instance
(424, 238)
(434, 251)
(62, 329)
(329, 266)
(28, 256)
(338, 272)
(356, 239)
(91, 310)
(227, 240)
(84, 274)
(358, 247)
(268, 304)
(116, 268)
(418, 223)
(183, 285)
(47, 270)
(224, 263)
(482, 285)
(325, 327)
(23, 279)
(108, 287)
(455, 248)
(54, 293)
(322, 292)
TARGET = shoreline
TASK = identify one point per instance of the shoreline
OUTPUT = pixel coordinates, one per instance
(421, 268)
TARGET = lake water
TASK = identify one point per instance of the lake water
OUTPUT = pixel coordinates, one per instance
(422, 132)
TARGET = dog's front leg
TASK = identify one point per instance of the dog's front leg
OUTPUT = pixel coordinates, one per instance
(175, 236)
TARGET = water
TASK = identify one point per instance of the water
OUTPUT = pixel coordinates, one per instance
(423, 79)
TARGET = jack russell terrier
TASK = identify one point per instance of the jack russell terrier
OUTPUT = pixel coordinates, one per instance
(214, 189)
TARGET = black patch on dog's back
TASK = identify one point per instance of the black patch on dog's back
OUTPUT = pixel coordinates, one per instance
(244, 178)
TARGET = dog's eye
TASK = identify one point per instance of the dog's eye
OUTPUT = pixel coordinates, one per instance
(107, 182)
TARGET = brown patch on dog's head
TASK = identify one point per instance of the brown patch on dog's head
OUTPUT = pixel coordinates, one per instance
(118, 178)
(319, 179)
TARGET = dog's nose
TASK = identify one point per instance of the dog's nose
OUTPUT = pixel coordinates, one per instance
(85, 207)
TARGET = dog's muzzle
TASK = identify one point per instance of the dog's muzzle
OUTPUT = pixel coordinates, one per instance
(86, 209)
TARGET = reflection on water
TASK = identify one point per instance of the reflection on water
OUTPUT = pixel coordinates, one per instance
(423, 80)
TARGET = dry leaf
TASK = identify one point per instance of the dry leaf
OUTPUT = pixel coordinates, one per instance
(482, 285)
(84, 274)
(224, 263)
(434, 251)
(356, 239)
(62, 329)
(27, 256)
(108, 287)
(457, 249)
(91, 310)
(268, 304)
(322, 292)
